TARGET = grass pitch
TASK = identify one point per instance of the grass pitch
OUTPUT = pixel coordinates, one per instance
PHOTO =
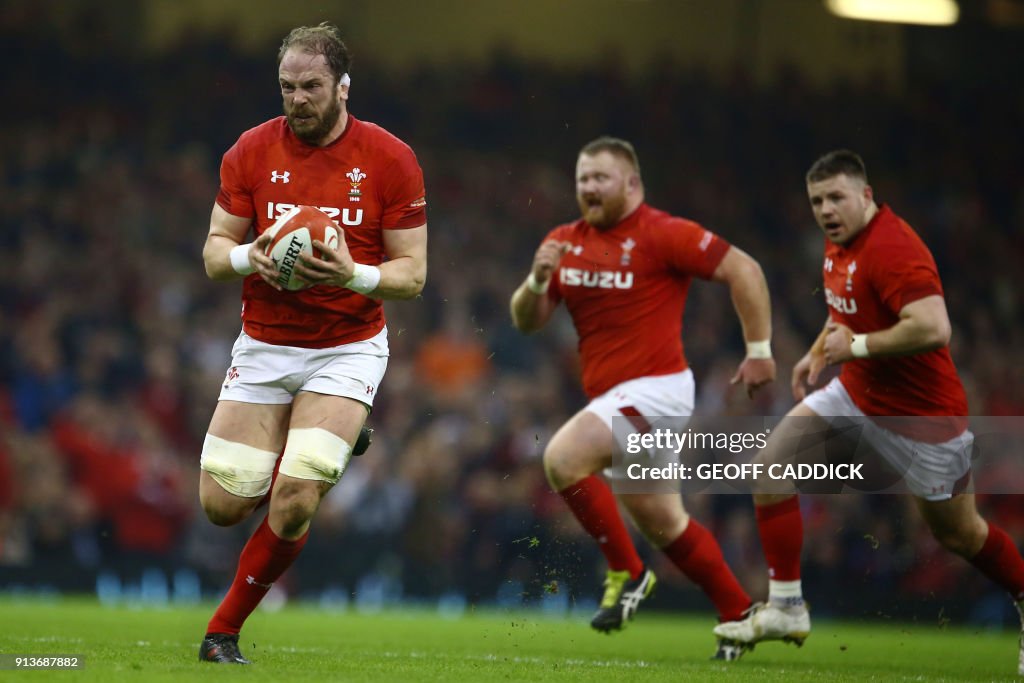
(310, 644)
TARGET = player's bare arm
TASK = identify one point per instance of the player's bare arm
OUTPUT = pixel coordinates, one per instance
(808, 369)
(227, 231)
(749, 291)
(402, 276)
(923, 326)
(531, 306)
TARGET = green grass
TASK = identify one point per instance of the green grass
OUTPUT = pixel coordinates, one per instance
(309, 644)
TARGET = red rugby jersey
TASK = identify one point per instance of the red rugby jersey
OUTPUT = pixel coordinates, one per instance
(867, 282)
(367, 180)
(625, 289)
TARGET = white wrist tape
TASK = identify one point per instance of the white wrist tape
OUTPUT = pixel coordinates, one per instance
(536, 287)
(859, 346)
(240, 259)
(759, 349)
(364, 279)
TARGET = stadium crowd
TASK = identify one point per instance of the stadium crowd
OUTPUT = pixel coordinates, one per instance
(113, 342)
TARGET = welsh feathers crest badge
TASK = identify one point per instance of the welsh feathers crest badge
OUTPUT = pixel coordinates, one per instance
(627, 248)
(355, 178)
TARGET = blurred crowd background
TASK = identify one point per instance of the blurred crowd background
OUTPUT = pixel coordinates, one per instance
(113, 343)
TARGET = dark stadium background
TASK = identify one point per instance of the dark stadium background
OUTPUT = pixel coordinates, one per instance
(113, 343)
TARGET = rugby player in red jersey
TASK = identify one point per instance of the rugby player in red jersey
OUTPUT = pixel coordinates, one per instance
(623, 270)
(307, 364)
(888, 328)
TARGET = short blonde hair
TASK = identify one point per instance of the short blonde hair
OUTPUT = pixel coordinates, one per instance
(615, 146)
(325, 40)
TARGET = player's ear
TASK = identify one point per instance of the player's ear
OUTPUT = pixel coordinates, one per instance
(869, 194)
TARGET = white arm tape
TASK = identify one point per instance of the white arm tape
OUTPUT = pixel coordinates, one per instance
(536, 287)
(759, 349)
(364, 279)
(859, 346)
(240, 259)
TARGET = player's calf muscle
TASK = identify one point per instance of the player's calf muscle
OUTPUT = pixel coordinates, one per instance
(294, 503)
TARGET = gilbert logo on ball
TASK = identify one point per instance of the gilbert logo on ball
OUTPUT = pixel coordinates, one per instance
(292, 234)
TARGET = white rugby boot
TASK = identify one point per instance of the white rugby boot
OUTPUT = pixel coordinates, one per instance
(768, 622)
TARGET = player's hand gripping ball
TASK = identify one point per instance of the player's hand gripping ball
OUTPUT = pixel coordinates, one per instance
(293, 234)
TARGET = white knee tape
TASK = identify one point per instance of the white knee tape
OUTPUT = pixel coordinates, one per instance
(239, 469)
(315, 454)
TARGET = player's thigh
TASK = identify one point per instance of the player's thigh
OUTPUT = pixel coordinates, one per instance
(800, 437)
(795, 438)
(239, 451)
(340, 415)
(318, 447)
(260, 425)
(583, 444)
(336, 394)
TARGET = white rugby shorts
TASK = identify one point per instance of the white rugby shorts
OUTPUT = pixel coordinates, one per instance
(650, 403)
(932, 471)
(273, 374)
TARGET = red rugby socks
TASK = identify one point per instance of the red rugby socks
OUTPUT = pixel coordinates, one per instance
(1000, 561)
(698, 555)
(594, 505)
(262, 562)
(782, 536)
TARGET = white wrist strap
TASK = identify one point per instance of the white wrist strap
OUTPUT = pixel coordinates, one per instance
(240, 259)
(859, 346)
(364, 279)
(759, 349)
(536, 287)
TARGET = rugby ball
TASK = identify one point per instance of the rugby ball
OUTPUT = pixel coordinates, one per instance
(292, 235)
